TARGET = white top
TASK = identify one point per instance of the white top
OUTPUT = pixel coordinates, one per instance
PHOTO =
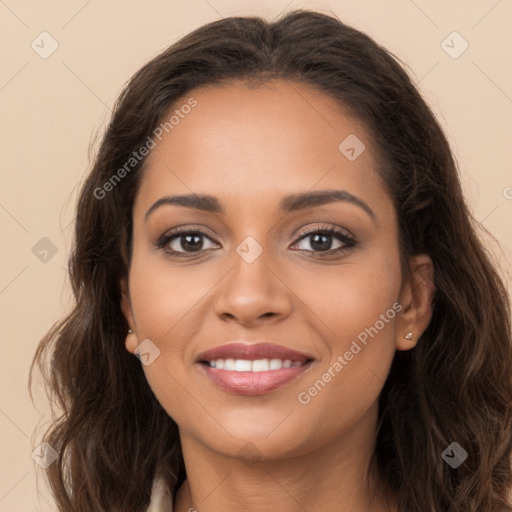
(161, 499)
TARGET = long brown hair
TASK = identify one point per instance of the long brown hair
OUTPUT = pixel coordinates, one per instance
(112, 435)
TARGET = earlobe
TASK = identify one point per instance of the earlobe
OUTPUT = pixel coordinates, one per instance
(416, 298)
(131, 342)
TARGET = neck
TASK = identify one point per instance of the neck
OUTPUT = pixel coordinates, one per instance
(332, 478)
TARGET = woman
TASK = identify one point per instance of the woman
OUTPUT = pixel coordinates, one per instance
(281, 299)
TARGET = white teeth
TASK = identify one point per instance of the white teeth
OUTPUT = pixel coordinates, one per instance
(229, 364)
(276, 364)
(258, 365)
(242, 365)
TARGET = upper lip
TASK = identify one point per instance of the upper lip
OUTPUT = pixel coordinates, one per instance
(252, 352)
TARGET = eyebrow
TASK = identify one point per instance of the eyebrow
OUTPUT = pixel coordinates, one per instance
(288, 204)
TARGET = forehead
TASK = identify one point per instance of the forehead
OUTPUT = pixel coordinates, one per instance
(249, 144)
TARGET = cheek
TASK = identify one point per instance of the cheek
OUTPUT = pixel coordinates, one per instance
(164, 295)
(358, 304)
(350, 298)
(167, 302)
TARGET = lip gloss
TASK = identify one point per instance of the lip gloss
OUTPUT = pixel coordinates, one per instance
(253, 383)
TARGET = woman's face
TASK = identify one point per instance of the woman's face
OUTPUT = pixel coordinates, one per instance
(258, 266)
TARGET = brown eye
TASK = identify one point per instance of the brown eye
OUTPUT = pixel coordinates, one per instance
(182, 242)
(321, 241)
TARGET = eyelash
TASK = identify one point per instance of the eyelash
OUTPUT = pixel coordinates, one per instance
(348, 241)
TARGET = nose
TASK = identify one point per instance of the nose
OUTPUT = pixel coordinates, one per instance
(253, 293)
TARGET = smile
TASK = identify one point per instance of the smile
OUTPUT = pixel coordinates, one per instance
(253, 369)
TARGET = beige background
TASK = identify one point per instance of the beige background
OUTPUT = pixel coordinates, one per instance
(50, 108)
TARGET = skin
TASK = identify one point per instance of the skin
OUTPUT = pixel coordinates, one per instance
(249, 147)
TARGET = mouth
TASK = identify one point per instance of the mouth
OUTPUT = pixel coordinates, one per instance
(253, 369)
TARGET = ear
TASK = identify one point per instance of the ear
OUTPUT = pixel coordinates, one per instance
(126, 307)
(416, 298)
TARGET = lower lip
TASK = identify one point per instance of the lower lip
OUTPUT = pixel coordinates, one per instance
(253, 383)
